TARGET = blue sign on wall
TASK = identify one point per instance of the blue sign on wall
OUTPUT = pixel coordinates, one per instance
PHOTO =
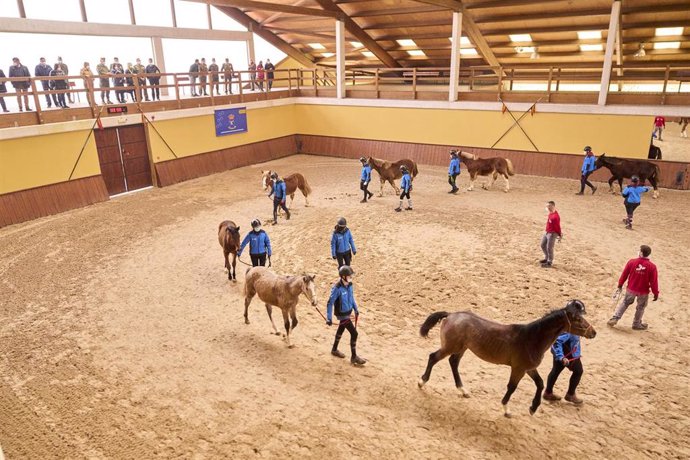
(231, 121)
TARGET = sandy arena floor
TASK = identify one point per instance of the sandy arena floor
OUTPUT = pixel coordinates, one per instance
(122, 337)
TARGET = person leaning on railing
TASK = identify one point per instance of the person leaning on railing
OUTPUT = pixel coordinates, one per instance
(228, 71)
(87, 75)
(154, 80)
(60, 85)
(104, 79)
(21, 87)
(3, 89)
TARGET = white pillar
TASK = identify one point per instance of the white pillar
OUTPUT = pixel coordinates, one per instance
(340, 58)
(455, 57)
(250, 46)
(159, 59)
(608, 57)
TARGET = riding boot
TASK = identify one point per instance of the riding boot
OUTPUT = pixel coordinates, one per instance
(399, 208)
(370, 194)
(334, 350)
(409, 205)
(356, 360)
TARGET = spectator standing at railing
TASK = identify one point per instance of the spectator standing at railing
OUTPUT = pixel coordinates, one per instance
(3, 89)
(129, 78)
(193, 73)
(118, 80)
(260, 75)
(60, 85)
(140, 70)
(215, 78)
(154, 80)
(252, 72)
(65, 71)
(269, 74)
(43, 70)
(104, 80)
(203, 77)
(87, 75)
(228, 72)
(21, 87)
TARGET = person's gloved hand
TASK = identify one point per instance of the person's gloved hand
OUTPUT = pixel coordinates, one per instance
(617, 293)
(334, 257)
(329, 323)
(656, 297)
(565, 362)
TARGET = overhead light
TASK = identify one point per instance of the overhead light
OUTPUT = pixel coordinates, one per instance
(524, 49)
(317, 46)
(535, 54)
(356, 44)
(368, 54)
(520, 38)
(468, 52)
(666, 45)
(640, 52)
(327, 55)
(598, 47)
(668, 31)
(463, 40)
(406, 42)
(416, 53)
(589, 34)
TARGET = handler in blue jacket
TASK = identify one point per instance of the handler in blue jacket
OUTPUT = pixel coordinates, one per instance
(453, 170)
(405, 189)
(633, 197)
(279, 193)
(587, 169)
(364, 179)
(342, 244)
(342, 304)
(259, 245)
(566, 353)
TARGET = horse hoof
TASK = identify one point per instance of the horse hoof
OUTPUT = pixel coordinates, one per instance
(465, 394)
(532, 412)
(508, 415)
(246, 321)
(292, 345)
(421, 383)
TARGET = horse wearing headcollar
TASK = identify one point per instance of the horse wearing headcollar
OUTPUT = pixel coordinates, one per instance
(486, 167)
(389, 171)
(292, 183)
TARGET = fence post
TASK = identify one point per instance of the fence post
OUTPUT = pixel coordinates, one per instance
(663, 91)
(500, 82)
(376, 82)
(314, 76)
(548, 86)
(414, 83)
(177, 91)
(37, 102)
(239, 80)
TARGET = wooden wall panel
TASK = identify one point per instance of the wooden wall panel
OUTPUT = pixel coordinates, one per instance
(37, 202)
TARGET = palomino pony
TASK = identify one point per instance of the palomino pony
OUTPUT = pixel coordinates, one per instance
(292, 183)
(279, 291)
(229, 239)
(389, 171)
(520, 346)
(624, 168)
(485, 167)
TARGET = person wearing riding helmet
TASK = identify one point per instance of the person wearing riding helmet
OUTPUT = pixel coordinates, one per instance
(566, 354)
(342, 304)
(405, 189)
(587, 169)
(342, 244)
(279, 193)
(633, 197)
(259, 245)
(365, 178)
(453, 170)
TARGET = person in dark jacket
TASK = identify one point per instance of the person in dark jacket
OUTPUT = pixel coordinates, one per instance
(269, 68)
(342, 244)
(59, 85)
(364, 179)
(405, 189)
(43, 70)
(3, 89)
(215, 77)
(193, 74)
(259, 245)
(279, 196)
(154, 80)
(633, 197)
(566, 354)
(129, 78)
(118, 80)
(342, 304)
(587, 169)
(453, 171)
(21, 87)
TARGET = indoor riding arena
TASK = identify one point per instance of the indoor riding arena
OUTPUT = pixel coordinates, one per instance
(123, 334)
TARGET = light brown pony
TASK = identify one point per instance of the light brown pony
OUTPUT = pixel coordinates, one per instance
(292, 183)
(278, 291)
(485, 167)
(389, 171)
(229, 239)
(520, 346)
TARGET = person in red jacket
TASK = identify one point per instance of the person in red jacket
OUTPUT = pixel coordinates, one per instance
(553, 232)
(659, 126)
(642, 276)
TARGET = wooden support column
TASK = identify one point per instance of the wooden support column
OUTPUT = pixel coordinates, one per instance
(132, 18)
(172, 11)
(20, 7)
(82, 8)
(608, 57)
(455, 57)
(340, 59)
(250, 46)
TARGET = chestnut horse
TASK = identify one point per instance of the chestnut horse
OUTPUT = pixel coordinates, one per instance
(520, 346)
(278, 291)
(485, 167)
(292, 183)
(229, 239)
(624, 168)
(389, 171)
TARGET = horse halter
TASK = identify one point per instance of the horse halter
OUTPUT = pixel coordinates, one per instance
(570, 326)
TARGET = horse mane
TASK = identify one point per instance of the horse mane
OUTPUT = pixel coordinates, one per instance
(536, 325)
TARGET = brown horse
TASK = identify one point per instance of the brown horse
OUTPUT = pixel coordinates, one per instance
(229, 239)
(520, 346)
(485, 167)
(389, 171)
(292, 183)
(622, 168)
(279, 291)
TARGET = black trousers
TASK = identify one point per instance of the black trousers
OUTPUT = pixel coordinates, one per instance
(584, 181)
(364, 187)
(258, 259)
(46, 87)
(630, 208)
(575, 367)
(344, 258)
(347, 324)
(2, 104)
(276, 204)
(405, 194)
(451, 180)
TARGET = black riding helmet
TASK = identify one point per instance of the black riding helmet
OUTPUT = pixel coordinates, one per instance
(363, 160)
(256, 223)
(342, 222)
(345, 270)
(587, 148)
(635, 179)
(403, 168)
(274, 175)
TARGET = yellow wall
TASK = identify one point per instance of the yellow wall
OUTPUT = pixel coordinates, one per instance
(35, 161)
(281, 67)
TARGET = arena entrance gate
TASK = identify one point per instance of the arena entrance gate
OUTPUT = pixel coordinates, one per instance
(124, 158)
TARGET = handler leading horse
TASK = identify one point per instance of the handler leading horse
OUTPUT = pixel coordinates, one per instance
(486, 167)
(292, 183)
(229, 239)
(389, 171)
(622, 168)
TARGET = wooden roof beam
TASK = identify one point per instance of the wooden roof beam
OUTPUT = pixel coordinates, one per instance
(279, 7)
(396, 11)
(275, 16)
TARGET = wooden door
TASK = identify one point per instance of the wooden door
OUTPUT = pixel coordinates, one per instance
(124, 158)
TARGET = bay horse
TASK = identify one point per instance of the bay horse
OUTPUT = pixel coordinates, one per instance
(278, 291)
(389, 171)
(622, 168)
(486, 167)
(229, 239)
(292, 183)
(520, 346)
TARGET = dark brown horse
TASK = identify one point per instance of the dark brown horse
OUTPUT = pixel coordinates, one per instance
(486, 167)
(229, 239)
(389, 171)
(622, 168)
(520, 346)
(654, 152)
(292, 183)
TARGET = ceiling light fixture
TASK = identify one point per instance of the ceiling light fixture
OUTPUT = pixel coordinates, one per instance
(520, 38)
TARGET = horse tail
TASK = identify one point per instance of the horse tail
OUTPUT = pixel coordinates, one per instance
(415, 171)
(511, 171)
(431, 321)
(306, 189)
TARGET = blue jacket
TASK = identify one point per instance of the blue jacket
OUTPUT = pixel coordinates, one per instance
(366, 173)
(346, 297)
(342, 242)
(566, 346)
(259, 243)
(633, 194)
(588, 164)
(406, 183)
(454, 167)
(279, 190)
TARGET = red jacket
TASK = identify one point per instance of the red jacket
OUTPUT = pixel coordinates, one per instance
(553, 223)
(660, 121)
(641, 275)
